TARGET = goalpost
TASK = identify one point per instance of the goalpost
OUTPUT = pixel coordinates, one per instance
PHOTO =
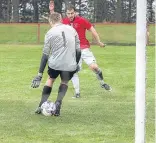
(154, 9)
(140, 71)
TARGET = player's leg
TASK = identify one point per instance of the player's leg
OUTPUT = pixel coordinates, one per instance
(61, 93)
(46, 90)
(76, 85)
(45, 93)
(53, 74)
(90, 60)
(65, 77)
(94, 67)
(76, 82)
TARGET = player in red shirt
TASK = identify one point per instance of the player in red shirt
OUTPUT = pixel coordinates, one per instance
(81, 25)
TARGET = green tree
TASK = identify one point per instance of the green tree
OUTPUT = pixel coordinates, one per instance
(58, 6)
(15, 5)
(36, 13)
(118, 17)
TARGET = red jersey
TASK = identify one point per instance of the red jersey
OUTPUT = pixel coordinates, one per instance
(80, 24)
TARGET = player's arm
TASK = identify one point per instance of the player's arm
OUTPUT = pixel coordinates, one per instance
(77, 47)
(43, 63)
(96, 36)
(89, 27)
(78, 51)
(46, 50)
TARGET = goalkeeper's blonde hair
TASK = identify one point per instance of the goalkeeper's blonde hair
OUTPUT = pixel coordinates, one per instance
(55, 18)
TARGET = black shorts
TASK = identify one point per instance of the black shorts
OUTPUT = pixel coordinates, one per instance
(64, 75)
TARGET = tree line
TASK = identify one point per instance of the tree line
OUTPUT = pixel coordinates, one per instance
(123, 11)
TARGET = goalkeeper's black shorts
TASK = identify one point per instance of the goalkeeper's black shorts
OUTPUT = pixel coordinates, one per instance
(64, 75)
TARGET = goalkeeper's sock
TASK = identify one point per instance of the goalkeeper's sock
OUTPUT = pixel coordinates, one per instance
(76, 84)
(45, 94)
(99, 75)
(61, 92)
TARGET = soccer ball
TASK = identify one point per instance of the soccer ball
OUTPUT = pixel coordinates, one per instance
(48, 108)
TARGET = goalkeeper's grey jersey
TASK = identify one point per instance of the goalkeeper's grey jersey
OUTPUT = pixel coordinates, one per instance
(60, 45)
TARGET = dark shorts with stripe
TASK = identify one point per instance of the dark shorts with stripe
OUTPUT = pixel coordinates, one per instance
(64, 75)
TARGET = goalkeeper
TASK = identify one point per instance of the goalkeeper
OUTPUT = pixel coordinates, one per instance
(62, 52)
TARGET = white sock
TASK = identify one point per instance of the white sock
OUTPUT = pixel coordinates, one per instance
(101, 82)
(76, 84)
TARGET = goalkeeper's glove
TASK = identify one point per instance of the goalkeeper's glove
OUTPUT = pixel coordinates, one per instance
(36, 81)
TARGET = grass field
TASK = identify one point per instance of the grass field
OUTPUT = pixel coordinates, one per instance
(97, 117)
(27, 33)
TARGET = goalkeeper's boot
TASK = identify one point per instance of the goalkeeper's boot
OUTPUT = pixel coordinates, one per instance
(38, 110)
(58, 108)
(106, 87)
(77, 95)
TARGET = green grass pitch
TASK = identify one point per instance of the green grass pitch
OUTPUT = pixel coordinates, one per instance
(97, 117)
(109, 33)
